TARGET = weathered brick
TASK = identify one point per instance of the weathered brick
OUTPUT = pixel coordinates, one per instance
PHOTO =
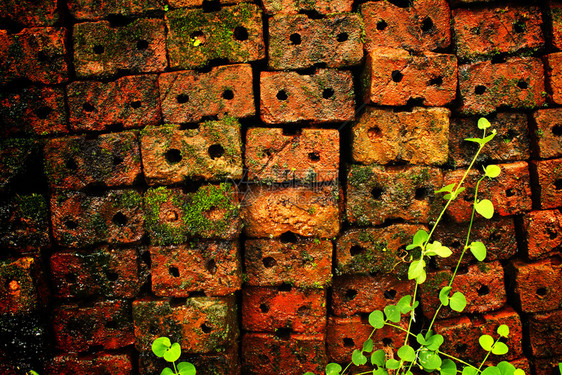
(553, 72)
(517, 83)
(297, 6)
(297, 41)
(267, 309)
(233, 33)
(98, 364)
(376, 194)
(210, 267)
(384, 136)
(324, 96)
(199, 325)
(545, 334)
(554, 13)
(22, 288)
(548, 175)
(76, 162)
(510, 192)
(543, 233)
(547, 366)
(109, 272)
(272, 211)
(20, 164)
(211, 212)
(42, 13)
(302, 262)
(310, 155)
(490, 31)
(547, 136)
(33, 111)
(362, 294)
(212, 152)
(421, 26)
(129, 102)
(197, 3)
(24, 223)
(378, 251)
(86, 10)
(80, 220)
(101, 50)
(189, 96)
(36, 54)
(267, 354)
(537, 285)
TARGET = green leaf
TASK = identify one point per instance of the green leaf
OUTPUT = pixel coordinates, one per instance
(478, 249)
(378, 358)
(444, 295)
(421, 278)
(560, 367)
(380, 371)
(419, 239)
(506, 368)
(480, 141)
(434, 342)
(469, 371)
(358, 358)
(392, 364)
(436, 248)
(392, 313)
(483, 123)
(500, 348)
(503, 330)
(368, 346)
(416, 269)
(376, 319)
(485, 208)
(457, 302)
(489, 137)
(31, 372)
(521, 372)
(187, 368)
(420, 339)
(429, 360)
(309, 373)
(407, 353)
(448, 367)
(446, 189)
(333, 369)
(160, 346)
(167, 371)
(486, 342)
(492, 171)
(491, 370)
(405, 304)
(455, 194)
(173, 353)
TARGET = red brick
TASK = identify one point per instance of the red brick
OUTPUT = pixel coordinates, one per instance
(490, 31)
(107, 324)
(547, 136)
(363, 294)
(41, 13)
(310, 155)
(109, 272)
(86, 10)
(101, 50)
(384, 136)
(33, 111)
(324, 96)
(189, 96)
(196, 3)
(548, 175)
(376, 194)
(233, 33)
(547, 366)
(129, 102)
(20, 163)
(80, 220)
(211, 212)
(22, 288)
(543, 233)
(97, 364)
(24, 223)
(421, 26)
(302, 262)
(510, 192)
(36, 54)
(297, 41)
(554, 14)
(267, 354)
(272, 211)
(553, 69)
(212, 152)
(517, 83)
(545, 334)
(267, 309)
(199, 325)
(537, 285)
(210, 267)
(297, 6)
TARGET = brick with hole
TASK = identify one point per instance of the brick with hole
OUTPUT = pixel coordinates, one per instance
(275, 155)
(270, 309)
(78, 162)
(22, 286)
(421, 26)
(101, 50)
(536, 285)
(545, 334)
(36, 54)
(298, 42)
(376, 194)
(326, 95)
(394, 77)
(20, 163)
(303, 210)
(189, 96)
(420, 136)
(314, 8)
(553, 72)
(547, 135)
(42, 13)
(212, 152)
(302, 262)
(482, 285)
(233, 34)
(542, 231)
(554, 14)
(213, 268)
(510, 192)
(129, 102)
(517, 83)
(547, 175)
(108, 272)
(85, 10)
(99, 363)
(486, 32)
(80, 219)
(198, 324)
(293, 354)
(357, 294)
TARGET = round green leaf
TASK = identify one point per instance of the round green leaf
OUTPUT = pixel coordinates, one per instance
(392, 364)
(392, 313)
(160, 346)
(506, 368)
(167, 371)
(457, 302)
(434, 342)
(380, 371)
(485, 208)
(500, 348)
(333, 369)
(309, 373)
(378, 358)
(448, 367)
(478, 249)
(429, 360)
(405, 304)
(503, 330)
(492, 370)
(407, 353)
(376, 319)
(483, 123)
(521, 372)
(358, 358)
(486, 342)
(492, 171)
(173, 353)
(420, 339)
(368, 346)
(187, 368)
(421, 278)
(469, 371)
(444, 295)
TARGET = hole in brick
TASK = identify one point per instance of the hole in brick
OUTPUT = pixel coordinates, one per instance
(70, 278)
(288, 237)
(119, 219)
(292, 131)
(111, 324)
(557, 130)
(421, 193)
(328, 93)
(342, 37)
(381, 25)
(427, 25)
(461, 348)
(211, 266)
(98, 49)
(350, 294)
(43, 112)
(281, 95)
(227, 94)
(390, 294)
(42, 56)
(263, 358)
(283, 333)
(205, 328)
(483, 290)
(111, 276)
(71, 164)
(88, 107)
(240, 33)
(172, 216)
(142, 44)
(374, 132)
(70, 224)
(117, 160)
(285, 287)
(312, 14)
(436, 81)
(558, 184)
(173, 156)
(552, 233)
(479, 90)
(182, 98)
(376, 193)
(314, 156)
(348, 342)
(295, 39)
(387, 341)
(356, 250)
(397, 76)
(215, 151)
(174, 271)
(509, 193)
(522, 84)
(136, 104)
(269, 262)
(211, 6)
(264, 308)
(96, 189)
(519, 26)
(303, 310)
(198, 38)
(542, 292)
(508, 137)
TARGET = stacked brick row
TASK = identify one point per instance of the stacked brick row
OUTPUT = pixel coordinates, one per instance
(244, 179)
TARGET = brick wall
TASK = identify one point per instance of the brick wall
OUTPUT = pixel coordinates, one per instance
(229, 173)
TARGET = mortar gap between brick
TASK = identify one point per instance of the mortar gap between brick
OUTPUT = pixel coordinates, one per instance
(210, 6)
(312, 14)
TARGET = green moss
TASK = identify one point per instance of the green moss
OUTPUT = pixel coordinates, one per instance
(360, 175)
(33, 207)
(130, 199)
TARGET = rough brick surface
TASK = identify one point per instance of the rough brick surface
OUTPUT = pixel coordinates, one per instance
(548, 175)
(548, 132)
(42, 13)
(86, 10)
(310, 155)
(195, 38)
(517, 83)
(297, 41)
(376, 194)
(118, 364)
(211, 152)
(24, 223)
(543, 233)
(545, 331)
(189, 96)
(21, 286)
(553, 68)
(418, 137)
(20, 160)
(555, 14)
(421, 26)
(547, 366)
(537, 284)
(298, 6)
